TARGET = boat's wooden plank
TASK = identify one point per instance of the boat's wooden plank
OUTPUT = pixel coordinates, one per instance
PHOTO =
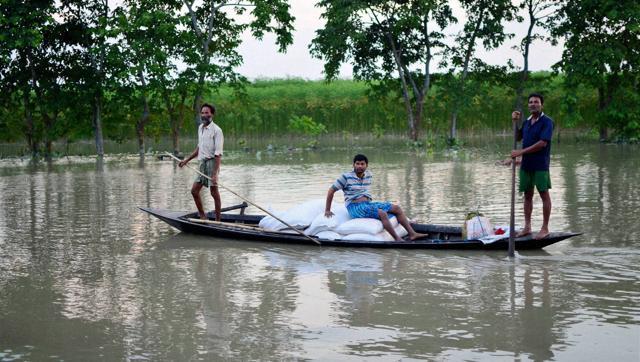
(242, 206)
(226, 224)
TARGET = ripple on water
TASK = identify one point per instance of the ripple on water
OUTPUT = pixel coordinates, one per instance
(72, 240)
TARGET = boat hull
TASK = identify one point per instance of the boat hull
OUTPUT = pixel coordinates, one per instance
(440, 237)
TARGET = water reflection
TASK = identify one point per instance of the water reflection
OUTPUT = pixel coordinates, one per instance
(83, 273)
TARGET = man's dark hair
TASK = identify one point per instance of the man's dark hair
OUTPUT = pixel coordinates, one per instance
(211, 108)
(360, 157)
(537, 95)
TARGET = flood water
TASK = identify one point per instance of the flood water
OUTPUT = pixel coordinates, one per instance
(84, 275)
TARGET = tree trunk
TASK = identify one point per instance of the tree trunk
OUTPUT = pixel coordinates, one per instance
(175, 140)
(605, 97)
(525, 69)
(413, 131)
(180, 122)
(465, 71)
(176, 117)
(97, 123)
(144, 118)
(48, 143)
(602, 105)
(29, 130)
(453, 133)
(418, 115)
(197, 100)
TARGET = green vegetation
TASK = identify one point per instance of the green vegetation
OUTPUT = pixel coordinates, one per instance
(268, 106)
(272, 109)
(74, 70)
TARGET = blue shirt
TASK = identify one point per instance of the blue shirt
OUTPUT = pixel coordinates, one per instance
(542, 129)
(353, 186)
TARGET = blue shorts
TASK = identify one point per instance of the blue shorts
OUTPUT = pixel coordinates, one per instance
(367, 209)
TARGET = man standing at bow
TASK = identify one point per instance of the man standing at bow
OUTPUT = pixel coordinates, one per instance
(536, 133)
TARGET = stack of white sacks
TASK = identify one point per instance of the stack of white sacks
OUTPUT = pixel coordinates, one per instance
(310, 217)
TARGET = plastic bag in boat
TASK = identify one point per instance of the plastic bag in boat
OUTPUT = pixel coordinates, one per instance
(476, 226)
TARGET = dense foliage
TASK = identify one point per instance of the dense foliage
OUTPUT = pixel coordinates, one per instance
(78, 70)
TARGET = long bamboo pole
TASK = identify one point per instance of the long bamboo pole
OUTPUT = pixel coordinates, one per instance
(247, 200)
(512, 220)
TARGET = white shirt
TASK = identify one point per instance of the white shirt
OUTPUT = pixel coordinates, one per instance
(210, 141)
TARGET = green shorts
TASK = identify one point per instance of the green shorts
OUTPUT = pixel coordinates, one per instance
(539, 179)
(206, 167)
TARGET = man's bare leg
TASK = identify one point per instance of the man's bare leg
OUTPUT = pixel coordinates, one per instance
(528, 209)
(216, 200)
(384, 217)
(195, 192)
(546, 214)
(404, 221)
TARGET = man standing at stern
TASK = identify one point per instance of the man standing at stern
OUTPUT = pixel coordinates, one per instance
(209, 153)
(536, 135)
(355, 186)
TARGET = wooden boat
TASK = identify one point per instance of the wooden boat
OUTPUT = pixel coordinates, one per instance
(245, 227)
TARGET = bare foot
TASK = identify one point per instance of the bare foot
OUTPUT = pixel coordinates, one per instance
(542, 234)
(417, 236)
(523, 232)
(203, 216)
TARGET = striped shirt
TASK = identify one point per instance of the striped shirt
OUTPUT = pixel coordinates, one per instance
(353, 186)
(210, 141)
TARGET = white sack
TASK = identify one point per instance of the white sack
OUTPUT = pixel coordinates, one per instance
(329, 235)
(384, 234)
(365, 237)
(363, 226)
(270, 223)
(401, 231)
(299, 216)
(322, 223)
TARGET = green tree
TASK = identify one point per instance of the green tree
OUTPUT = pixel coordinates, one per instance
(34, 75)
(386, 41)
(97, 58)
(602, 42)
(484, 23)
(153, 40)
(537, 13)
(216, 29)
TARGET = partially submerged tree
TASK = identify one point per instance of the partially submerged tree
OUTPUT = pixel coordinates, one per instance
(602, 49)
(484, 24)
(153, 42)
(216, 29)
(34, 74)
(97, 58)
(385, 41)
(537, 13)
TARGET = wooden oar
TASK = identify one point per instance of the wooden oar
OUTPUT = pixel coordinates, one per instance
(512, 220)
(247, 200)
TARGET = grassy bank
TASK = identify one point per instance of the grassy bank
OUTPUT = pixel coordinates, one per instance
(301, 113)
(347, 106)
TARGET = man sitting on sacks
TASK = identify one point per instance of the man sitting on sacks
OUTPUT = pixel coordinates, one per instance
(355, 186)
